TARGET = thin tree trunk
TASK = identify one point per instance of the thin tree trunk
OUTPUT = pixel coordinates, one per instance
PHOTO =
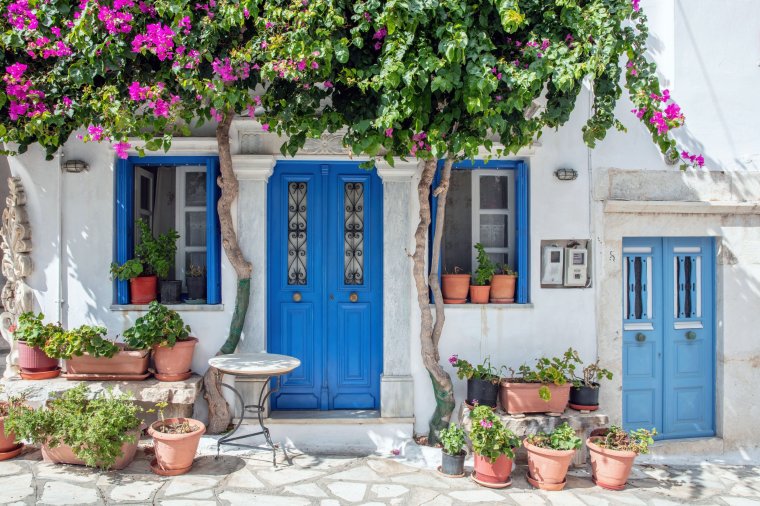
(442, 386)
(219, 415)
(435, 285)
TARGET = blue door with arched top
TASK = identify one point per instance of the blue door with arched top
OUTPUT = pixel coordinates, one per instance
(325, 283)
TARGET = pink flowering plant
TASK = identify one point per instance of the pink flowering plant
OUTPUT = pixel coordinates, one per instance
(466, 370)
(490, 438)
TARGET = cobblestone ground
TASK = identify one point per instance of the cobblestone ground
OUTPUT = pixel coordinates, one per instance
(303, 479)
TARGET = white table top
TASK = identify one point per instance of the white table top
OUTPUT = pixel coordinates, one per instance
(254, 364)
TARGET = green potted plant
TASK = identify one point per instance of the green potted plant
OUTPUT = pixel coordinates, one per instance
(612, 454)
(99, 431)
(88, 355)
(494, 447)
(549, 456)
(162, 330)
(482, 381)
(479, 291)
(543, 389)
(584, 394)
(196, 283)
(9, 448)
(31, 335)
(175, 441)
(452, 453)
(503, 285)
(454, 287)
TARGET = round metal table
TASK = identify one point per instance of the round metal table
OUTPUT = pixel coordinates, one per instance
(266, 366)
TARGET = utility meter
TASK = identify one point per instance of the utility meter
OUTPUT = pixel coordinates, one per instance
(576, 266)
(552, 265)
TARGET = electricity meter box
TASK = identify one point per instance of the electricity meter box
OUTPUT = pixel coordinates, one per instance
(565, 263)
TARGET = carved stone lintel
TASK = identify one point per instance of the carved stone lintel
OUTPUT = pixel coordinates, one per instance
(16, 295)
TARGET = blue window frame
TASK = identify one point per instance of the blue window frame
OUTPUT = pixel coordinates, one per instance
(521, 211)
(124, 218)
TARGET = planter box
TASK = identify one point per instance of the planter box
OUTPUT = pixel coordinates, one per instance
(519, 398)
(33, 359)
(63, 454)
(126, 362)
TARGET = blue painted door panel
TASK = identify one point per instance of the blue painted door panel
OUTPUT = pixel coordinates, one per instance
(336, 269)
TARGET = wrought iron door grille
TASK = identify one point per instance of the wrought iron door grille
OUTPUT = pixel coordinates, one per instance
(353, 234)
(297, 233)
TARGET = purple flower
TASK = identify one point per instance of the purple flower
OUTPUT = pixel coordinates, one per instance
(486, 424)
(452, 359)
(121, 149)
(635, 4)
(265, 127)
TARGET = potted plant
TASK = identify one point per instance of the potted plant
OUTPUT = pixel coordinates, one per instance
(584, 394)
(102, 431)
(503, 286)
(89, 356)
(494, 448)
(480, 290)
(162, 330)
(32, 335)
(175, 441)
(543, 389)
(549, 457)
(452, 453)
(196, 283)
(142, 287)
(482, 381)
(8, 446)
(613, 452)
(455, 287)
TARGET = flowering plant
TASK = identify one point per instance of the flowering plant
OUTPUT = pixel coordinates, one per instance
(490, 438)
(465, 370)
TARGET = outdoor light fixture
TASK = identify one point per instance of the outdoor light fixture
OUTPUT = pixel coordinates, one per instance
(566, 174)
(74, 166)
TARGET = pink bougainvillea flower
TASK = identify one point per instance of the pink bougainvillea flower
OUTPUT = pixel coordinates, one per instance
(121, 149)
(265, 127)
(96, 132)
(635, 4)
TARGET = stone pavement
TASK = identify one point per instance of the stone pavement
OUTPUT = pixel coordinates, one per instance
(247, 478)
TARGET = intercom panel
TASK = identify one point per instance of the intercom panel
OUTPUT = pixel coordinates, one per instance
(565, 263)
(576, 266)
(552, 266)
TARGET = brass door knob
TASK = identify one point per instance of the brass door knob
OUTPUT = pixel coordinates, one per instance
(297, 297)
(353, 297)
(640, 337)
(691, 335)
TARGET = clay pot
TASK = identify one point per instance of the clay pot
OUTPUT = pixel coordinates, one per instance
(452, 465)
(125, 362)
(483, 391)
(497, 471)
(196, 287)
(171, 291)
(479, 294)
(519, 397)
(63, 454)
(548, 468)
(143, 289)
(455, 288)
(503, 288)
(7, 442)
(33, 359)
(175, 360)
(609, 468)
(175, 452)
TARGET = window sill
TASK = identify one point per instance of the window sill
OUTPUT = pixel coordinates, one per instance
(175, 307)
(471, 306)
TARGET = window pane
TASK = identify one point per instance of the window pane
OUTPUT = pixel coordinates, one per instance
(457, 231)
(144, 194)
(499, 258)
(493, 230)
(195, 189)
(493, 192)
(195, 258)
(195, 228)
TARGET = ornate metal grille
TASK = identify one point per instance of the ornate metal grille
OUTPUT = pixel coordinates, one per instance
(297, 240)
(353, 234)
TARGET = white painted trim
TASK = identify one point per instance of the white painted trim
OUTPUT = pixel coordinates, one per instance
(649, 287)
(699, 287)
(197, 146)
(180, 208)
(638, 326)
(637, 250)
(679, 207)
(687, 325)
(685, 249)
(401, 172)
(509, 212)
(253, 167)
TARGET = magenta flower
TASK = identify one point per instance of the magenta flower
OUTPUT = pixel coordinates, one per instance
(635, 4)
(452, 359)
(327, 84)
(389, 133)
(121, 149)
(265, 127)
(96, 132)
(486, 424)
(66, 102)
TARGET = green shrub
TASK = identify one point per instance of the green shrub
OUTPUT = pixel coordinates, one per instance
(156, 253)
(33, 332)
(489, 437)
(486, 268)
(81, 340)
(159, 326)
(130, 269)
(561, 438)
(452, 439)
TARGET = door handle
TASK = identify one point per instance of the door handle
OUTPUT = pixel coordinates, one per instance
(691, 335)
(297, 297)
(641, 337)
(353, 297)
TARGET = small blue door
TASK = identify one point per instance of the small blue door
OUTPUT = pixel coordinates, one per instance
(668, 336)
(325, 283)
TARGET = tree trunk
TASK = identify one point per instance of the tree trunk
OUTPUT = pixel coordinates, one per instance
(442, 386)
(219, 415)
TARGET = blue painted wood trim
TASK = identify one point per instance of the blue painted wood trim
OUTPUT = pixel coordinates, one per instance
(522, 190)
(124, 218)
(213, 234)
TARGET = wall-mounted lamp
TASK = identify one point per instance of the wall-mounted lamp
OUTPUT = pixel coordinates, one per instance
(566, 174)
(75, 166)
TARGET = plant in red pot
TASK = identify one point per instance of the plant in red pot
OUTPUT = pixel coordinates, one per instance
(584, 394)
(494, 447)
(482, 381)
(175, 441)
(32, 335)
(549, 457)
(613, 452)
(9, 448)
(162, 330)
(454, 287)
(481, 289)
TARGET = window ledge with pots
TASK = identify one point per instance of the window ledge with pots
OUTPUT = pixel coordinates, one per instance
(175, 307)
(469, 305)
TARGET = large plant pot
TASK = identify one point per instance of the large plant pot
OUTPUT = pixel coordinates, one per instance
(519, 398)
(452, 465)
(175, 361)
(496, 472)
(32, 359)
(196, 287)
(63, 454)
(171, 291)
(609, 468)
(142, 289)
(125, 362)
(479, 294)
(455, 288)
(175, 452)
(7, 442)
(546, 467)
(484, 392)
(585, 397)
(503, 288)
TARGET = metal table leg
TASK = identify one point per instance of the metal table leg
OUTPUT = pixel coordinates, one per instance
(258, 409)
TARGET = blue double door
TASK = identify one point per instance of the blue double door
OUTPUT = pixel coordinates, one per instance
(669, 336)
(325, 284)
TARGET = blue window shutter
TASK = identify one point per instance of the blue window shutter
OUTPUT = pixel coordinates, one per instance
(124, 226)
(523, 233)
(213, 234)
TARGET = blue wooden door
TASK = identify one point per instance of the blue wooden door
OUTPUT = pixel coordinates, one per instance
(668, 336)
(325, 283)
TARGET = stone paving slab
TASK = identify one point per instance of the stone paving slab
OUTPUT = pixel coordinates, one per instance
(330, 480)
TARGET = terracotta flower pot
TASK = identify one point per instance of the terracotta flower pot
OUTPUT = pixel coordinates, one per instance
(547, 467)
(125, 362)
(7, 442)
(524, 397)
(497, 471)
(609, 468)
(175, 452)
(455, 288)
(176, 360)
(33, 359)
(143, 289)
(479, 294)
(503, 288)
(63, 454)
